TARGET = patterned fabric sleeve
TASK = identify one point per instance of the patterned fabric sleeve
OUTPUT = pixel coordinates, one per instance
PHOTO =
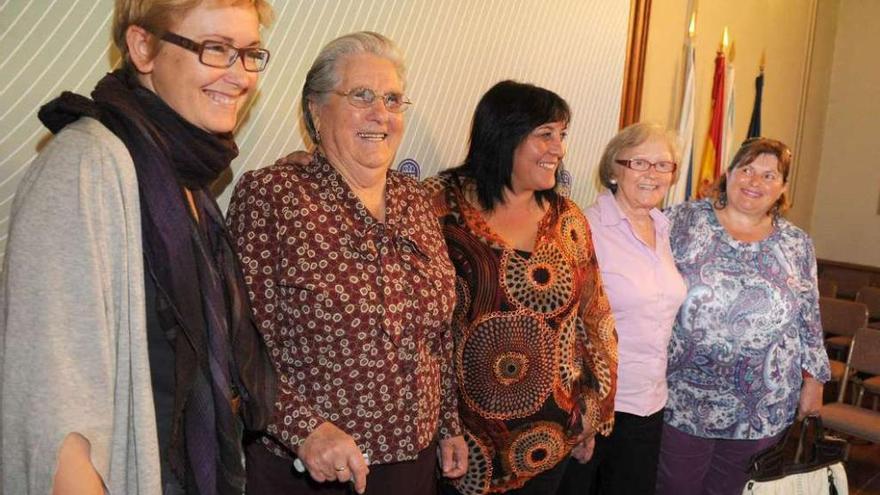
(252, 224)
(436, 187)
(449, 421)
(601, 344)
(814, 357)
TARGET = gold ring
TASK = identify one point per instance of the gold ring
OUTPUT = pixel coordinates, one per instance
(339, 468)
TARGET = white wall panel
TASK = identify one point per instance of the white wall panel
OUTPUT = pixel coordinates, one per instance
(455, 49)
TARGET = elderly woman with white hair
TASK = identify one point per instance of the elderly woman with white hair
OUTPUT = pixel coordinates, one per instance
(353, 291)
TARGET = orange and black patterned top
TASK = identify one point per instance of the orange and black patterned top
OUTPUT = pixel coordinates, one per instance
(356, 312)
(535, 341)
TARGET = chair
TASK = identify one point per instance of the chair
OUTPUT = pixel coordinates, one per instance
(872, 386)
(827, 288)
(841, 319)
(848, 280)
(870, 297)
(864, 356)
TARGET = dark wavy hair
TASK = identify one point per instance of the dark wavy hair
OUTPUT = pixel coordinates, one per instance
(750, 150)
(504, 117)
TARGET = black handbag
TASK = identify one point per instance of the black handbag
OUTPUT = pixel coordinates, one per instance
(817, 464)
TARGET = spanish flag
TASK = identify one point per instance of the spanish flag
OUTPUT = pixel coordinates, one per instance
(710, 168)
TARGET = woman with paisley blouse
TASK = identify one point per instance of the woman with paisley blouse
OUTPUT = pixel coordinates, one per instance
(354, 293)
(536, 349)
(746, 355)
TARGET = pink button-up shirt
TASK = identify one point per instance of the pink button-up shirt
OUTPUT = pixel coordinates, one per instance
(645, 290)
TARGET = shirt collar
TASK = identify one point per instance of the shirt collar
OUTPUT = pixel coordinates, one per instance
(397, 214)
(611, 214)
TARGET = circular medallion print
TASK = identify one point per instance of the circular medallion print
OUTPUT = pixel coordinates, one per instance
(536, 449)
(479, 471)
(506, 365)
(571, 337)
(573, 233)
(543, 283)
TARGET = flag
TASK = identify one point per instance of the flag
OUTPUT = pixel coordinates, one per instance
(729, 114)
(755, 122)
(681, 191)
(710, 166)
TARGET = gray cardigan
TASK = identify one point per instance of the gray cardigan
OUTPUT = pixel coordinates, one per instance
(73, 341)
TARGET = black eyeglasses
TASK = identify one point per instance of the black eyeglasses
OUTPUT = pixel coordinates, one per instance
(364, 98)
(641, 165)
(222, 55)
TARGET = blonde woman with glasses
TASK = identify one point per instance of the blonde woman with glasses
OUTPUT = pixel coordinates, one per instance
(130, 363)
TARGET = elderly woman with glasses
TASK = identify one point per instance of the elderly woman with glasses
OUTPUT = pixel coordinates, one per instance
(747, 355)
(645, 290)
(353, 292)
(130, 362)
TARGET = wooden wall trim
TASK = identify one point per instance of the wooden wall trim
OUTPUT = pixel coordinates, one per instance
(634, 71)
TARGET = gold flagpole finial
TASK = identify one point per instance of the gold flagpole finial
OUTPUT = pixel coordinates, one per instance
(725, 41)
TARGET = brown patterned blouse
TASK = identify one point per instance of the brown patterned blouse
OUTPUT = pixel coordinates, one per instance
(535, 341)
(356, 313)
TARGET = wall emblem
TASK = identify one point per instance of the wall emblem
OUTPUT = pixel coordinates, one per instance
(411, 168)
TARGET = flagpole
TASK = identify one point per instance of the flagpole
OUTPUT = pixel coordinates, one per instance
(729, 110)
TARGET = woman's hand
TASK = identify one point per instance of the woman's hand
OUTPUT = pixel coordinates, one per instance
(586, 441)
(75, 473)
(453, 457)
(811, 398)
(299, 157)
(330, 454)
(583, 451)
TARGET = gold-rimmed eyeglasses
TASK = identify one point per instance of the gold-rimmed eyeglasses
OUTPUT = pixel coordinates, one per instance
(365, 97)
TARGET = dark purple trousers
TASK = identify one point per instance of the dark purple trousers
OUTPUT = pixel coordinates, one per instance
(691, 465)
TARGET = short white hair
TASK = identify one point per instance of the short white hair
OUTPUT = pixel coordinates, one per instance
(323, 76)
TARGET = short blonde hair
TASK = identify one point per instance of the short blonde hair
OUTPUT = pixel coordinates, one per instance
(157, 16)
(629, 137)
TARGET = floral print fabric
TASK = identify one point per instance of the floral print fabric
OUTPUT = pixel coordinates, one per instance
(535, 342)
(356, 312)
(747, 329)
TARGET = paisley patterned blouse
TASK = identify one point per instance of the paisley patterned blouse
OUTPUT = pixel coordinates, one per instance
(356, 313)
(748, 328)
(535, 341)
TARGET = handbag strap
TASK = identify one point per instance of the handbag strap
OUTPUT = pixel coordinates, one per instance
(818, 434)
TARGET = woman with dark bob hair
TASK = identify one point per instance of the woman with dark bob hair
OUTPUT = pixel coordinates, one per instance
(536, 349)
(746, 356)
